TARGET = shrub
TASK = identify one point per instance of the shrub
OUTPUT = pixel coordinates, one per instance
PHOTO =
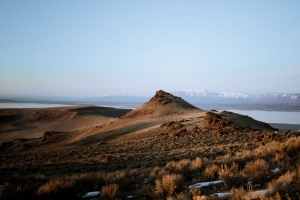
(196, 165)
(157, 173)
(238, 194)
(69, 187)
(169, 184)
(109, 191)
(292, 147)
(114, 177)
(57, 189)
(232, 176)
(211, 172)
(195, 192)
(181, 166)
(256, 170)
(283, 182)
(278, 150)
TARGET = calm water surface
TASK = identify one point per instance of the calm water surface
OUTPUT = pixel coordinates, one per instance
(30, 105)
(272, 116)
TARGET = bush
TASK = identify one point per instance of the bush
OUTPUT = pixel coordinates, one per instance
(169, 184)
(195, 192)
(109, 191)
(57, 189)
(283, 182)
(238, 194)
(157, 173)
(211, 172)
(113, 177)
(181, 166)
(232, 176)
(256, 170)
(196, 165)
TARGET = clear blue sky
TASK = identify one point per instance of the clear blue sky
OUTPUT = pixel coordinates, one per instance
(88, 48)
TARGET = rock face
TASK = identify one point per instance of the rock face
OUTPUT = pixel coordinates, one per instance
(162, 103)
(228, 122)
(162, 97)
(220, 125)
(161, 93)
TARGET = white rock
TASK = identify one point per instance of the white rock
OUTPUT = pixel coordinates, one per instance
(90, 194)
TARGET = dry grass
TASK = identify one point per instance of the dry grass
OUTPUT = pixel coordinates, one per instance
(168, 184)
(57, 188)
(232, 175)
(211, 172)
(109, 191)
(241, 162)
(151, 159)
(257, 170)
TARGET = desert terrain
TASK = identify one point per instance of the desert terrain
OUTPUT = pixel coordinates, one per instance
(164, 149)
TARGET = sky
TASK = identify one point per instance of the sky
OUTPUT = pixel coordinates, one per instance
(83, 48)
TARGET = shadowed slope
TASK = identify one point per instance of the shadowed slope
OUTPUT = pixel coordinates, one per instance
(100, 111)
(33, 122)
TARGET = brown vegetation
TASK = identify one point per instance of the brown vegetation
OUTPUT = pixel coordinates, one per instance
(157, 154)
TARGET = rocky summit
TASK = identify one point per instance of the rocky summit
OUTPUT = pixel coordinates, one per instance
(163, 103)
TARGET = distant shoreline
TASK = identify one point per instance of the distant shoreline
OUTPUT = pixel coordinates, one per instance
(279, 126)
(283, 127)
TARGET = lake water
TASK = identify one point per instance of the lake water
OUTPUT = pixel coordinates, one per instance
(30, 105)
(283, 117)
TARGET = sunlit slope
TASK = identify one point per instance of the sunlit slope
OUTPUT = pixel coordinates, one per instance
(148, 120)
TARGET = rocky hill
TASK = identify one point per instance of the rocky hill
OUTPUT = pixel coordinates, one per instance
(162, 103)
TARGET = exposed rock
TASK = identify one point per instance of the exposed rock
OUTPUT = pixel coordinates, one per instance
(51, 136)
(220, 125)
(171, 125)
(50, 133)
(162, 98)
(162, 104)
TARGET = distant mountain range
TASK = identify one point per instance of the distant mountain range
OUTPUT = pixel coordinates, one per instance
(192, 96)
(208, 97)
(205, 95)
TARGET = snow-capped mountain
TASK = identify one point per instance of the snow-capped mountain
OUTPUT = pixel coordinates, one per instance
(235, 97)
(205, 95)
(278, 98)
(210, 97)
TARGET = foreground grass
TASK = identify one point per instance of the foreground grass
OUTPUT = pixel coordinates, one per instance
(159, 166)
